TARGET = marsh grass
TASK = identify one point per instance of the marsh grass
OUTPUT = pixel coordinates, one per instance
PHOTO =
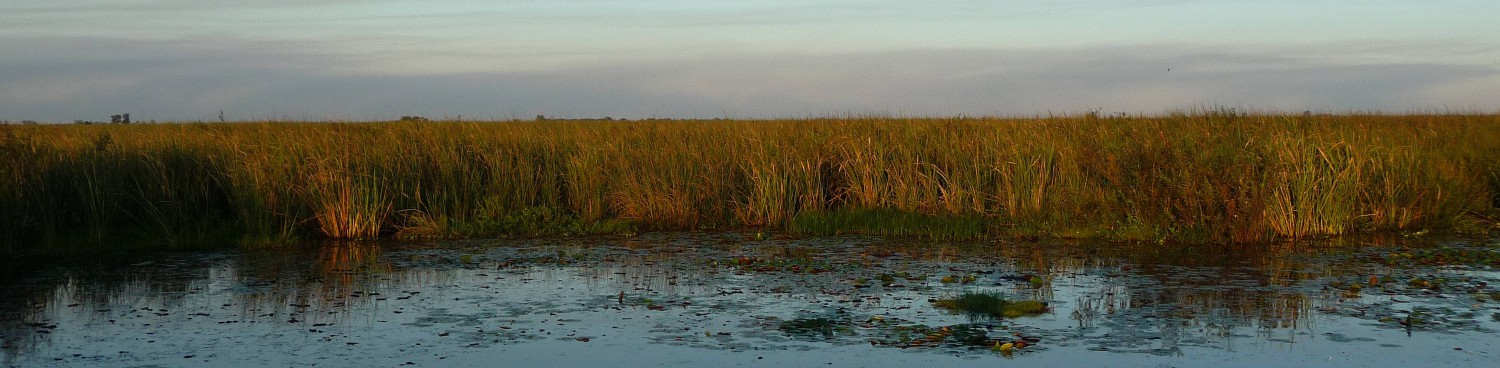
(1212, 176)
(889, 222)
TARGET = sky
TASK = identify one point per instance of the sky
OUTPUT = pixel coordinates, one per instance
(187, 60)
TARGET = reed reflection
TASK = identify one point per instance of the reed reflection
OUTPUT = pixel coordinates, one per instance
(1153, 298)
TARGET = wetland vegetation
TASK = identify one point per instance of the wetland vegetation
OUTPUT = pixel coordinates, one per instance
(991, 305)
(1210, 176)
(717, 298)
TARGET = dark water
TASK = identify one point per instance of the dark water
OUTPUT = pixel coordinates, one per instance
(695, 299)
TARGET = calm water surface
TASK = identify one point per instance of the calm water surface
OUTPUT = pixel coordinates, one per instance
(695, 299)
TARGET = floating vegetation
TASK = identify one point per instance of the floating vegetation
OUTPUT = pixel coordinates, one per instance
(1454, 279)
(908, 336)
(899, 333)
(659, 294)
(1455, 256)
(965, 279)
(824, 327)
(890, 278)
(991, 305)
(793, 265)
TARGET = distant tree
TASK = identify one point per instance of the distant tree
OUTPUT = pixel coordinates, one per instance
(28, 122)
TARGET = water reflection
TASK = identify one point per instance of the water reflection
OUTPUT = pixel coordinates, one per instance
(726, 290)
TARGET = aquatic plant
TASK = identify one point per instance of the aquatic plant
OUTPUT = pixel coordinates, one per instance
(1194, 177)
(825, 327)
(991, 305)
(888, 222)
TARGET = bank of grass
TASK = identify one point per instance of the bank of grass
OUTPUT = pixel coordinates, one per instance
(1215, 176)
(889, 222)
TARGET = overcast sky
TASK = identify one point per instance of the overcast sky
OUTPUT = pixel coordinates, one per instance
(62, 60)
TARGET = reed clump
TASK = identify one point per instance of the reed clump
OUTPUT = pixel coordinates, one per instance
(1201, 177)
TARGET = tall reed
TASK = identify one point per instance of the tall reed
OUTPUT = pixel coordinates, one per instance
(1212, 176)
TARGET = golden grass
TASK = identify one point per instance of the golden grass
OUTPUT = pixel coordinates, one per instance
(1199, 177)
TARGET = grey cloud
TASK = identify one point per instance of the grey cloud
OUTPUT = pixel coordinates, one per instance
(192, 81)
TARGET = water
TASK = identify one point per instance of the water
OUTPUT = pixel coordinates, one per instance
(694, 299)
